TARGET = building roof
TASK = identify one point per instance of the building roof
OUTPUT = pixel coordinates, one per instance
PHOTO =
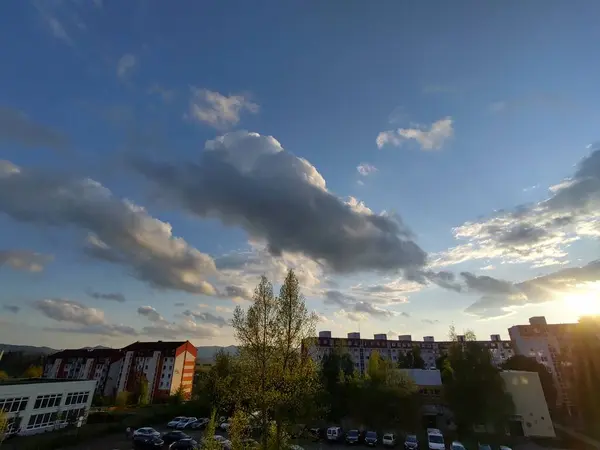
(21, 381)
(423, 377)
(86, 353)
(156, 345)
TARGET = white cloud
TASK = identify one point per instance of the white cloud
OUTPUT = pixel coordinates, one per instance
(432, 138)
(70, 311)
(218, 110)
(126, 65)
(366, 169)
(24, 260)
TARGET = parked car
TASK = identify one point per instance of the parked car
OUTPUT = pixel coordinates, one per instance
(147, 442)
(504, 447)
(224, 426)
(334, 434)
(174, 436)
(371, 438)
(185, 444)
(199, 423)
(173, 423)
(411, 442)
(457, 446)
(484, 446)
(250, 444)
(147, 432)
(389, 440)
(185, 423)
(435, 439)
(352, 437)
(295, 447)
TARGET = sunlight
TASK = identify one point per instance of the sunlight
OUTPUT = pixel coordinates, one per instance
(585, 301)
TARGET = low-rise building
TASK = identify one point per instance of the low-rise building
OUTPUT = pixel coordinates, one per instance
(39, 405)
(532, 417)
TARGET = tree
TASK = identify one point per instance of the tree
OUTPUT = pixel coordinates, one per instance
(473, 386)
(524, 363)
(271, 333)
(209, 442)
(411, 359)
(3, 375)
(33, 372)
(179, 396)
(238, 428)
(122, 398)
(3, 425)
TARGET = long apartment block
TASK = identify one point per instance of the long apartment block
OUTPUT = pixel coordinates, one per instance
(360, 349)
(167, 366)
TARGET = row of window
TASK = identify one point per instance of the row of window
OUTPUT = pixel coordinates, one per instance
(47, 401)
(45, 419)
(75, 398)
(13, 404)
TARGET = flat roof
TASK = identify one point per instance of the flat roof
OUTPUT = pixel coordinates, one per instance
(21, 381)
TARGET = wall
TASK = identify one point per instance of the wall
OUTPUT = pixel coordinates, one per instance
(33, 390)
(530, 403)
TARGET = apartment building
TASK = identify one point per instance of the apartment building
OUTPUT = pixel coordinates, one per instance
(166, 366)
(550, 345)
(37, 405)
(360, 349)
(100, 364)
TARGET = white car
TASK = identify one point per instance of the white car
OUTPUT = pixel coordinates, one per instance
(146, 431)
(295, 447)
(186, 422)
(389, 440)
(224, 426)
(457, 446)
(173, 423)
(435, 439)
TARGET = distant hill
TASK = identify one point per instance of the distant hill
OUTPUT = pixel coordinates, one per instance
(209, 351)
(27, 349)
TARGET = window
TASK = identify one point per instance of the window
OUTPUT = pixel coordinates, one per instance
(41, 420)
(76, 398)
(13, 404)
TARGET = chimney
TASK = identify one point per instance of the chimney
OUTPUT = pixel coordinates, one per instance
(537, 320)
(380, 337)
(405, 337)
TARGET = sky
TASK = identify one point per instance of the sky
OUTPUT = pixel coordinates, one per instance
(418, 165)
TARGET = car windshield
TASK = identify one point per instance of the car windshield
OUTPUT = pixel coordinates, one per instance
(411, 438)
(353, 433)
(388, 436)
(436, 439)
(371, 434)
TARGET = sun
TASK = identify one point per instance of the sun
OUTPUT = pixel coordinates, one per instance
(585, 301)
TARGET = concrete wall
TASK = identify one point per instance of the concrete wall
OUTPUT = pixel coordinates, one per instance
(530, 403)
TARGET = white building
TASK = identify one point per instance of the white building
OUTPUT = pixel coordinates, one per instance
(38, 405)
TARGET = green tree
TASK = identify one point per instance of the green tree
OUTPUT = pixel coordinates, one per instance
(238, 429)
(122, 398)
(3, 375)
(3, 425)
(33, 372)
(473, 386)
(278, 375)
(524, 363)
(178, 396)
(411, 359)
(209, 442)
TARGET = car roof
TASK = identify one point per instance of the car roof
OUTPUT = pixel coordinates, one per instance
(457, 443)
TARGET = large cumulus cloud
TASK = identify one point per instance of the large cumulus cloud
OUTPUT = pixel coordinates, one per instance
(248, 180)
(117, 230)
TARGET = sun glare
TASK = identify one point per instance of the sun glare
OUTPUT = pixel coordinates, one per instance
(585, 301)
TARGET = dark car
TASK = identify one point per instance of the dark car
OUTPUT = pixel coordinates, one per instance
(147, 443)
(316, 433)
(371, 438)
(185, 444)
(174, 436)
(411, 442)
(352, 437)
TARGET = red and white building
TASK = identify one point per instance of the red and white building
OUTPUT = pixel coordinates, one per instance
(166, 365)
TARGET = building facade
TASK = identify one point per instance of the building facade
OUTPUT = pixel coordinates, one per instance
(167, 367)
(550, 345)
(360, 349)
(100, 364)
(531, 417)
(38, 405)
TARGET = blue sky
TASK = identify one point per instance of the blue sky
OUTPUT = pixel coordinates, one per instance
(418, 165)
